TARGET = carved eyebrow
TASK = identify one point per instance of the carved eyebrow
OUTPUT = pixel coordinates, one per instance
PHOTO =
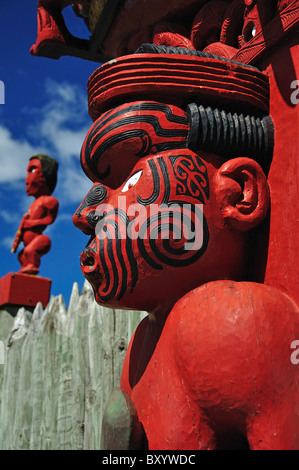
(132, 122)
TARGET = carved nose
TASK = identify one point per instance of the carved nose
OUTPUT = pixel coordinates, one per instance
(82, 224)
(90, 266)
(85, 217)
(87, 261)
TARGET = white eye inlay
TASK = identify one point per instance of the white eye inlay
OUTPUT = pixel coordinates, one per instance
(132, 181)
(253, 32)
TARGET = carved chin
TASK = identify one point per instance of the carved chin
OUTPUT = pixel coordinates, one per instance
(30, 191)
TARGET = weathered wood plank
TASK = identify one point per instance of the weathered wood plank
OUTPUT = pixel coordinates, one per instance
(61, 367)
(6, 322)
(82, 314)
(51, 323)
(11, 377)
(65, 402)
(37, 384)
(95, 381)
(25, 391)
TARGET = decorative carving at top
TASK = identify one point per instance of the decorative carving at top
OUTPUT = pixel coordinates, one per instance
(119, 27)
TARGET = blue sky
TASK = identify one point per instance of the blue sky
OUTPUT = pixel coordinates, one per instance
(45, 111)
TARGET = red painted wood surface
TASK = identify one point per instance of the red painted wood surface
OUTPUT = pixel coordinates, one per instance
(217, 369)
(24, 290)
(210, 367)
(177, 79)
(282, 267)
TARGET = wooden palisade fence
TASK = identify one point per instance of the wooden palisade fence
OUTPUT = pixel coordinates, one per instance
(60, 368)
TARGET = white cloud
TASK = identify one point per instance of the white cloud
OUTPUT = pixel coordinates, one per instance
(57, 129)
(75, 185)
(7, 242)
(13, 156)
(9, 217)
(65, 121)
(66, 143)
(62, 218)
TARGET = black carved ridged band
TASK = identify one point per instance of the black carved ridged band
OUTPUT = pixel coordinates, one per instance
(230, 134)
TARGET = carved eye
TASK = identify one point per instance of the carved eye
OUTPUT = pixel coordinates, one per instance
(249, 31)
(132, 181)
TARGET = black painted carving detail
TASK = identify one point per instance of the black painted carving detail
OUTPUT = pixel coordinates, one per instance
(147, 48)
(192, 180)
(172, 251)
(156, 182)
(94, 197)
(191, 175)
(115, 249)
(118, 120)
(227, 134)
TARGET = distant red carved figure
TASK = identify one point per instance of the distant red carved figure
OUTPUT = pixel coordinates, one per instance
(40, 183)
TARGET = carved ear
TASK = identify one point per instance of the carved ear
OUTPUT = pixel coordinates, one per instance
(242, 193)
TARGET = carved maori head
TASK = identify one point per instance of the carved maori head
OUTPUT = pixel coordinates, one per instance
(41, 175)
(177, 183)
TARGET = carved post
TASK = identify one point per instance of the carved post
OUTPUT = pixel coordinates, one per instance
(192, 216)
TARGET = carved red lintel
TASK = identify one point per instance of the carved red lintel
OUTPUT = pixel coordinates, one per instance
(182, 77)
(272, 34)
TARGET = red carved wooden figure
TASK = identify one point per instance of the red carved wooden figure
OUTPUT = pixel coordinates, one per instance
(193, 217)
(202, 337)
(40, 183)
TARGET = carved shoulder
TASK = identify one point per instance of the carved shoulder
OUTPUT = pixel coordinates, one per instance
(228, 330)
(231, 301)
(49, 202)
